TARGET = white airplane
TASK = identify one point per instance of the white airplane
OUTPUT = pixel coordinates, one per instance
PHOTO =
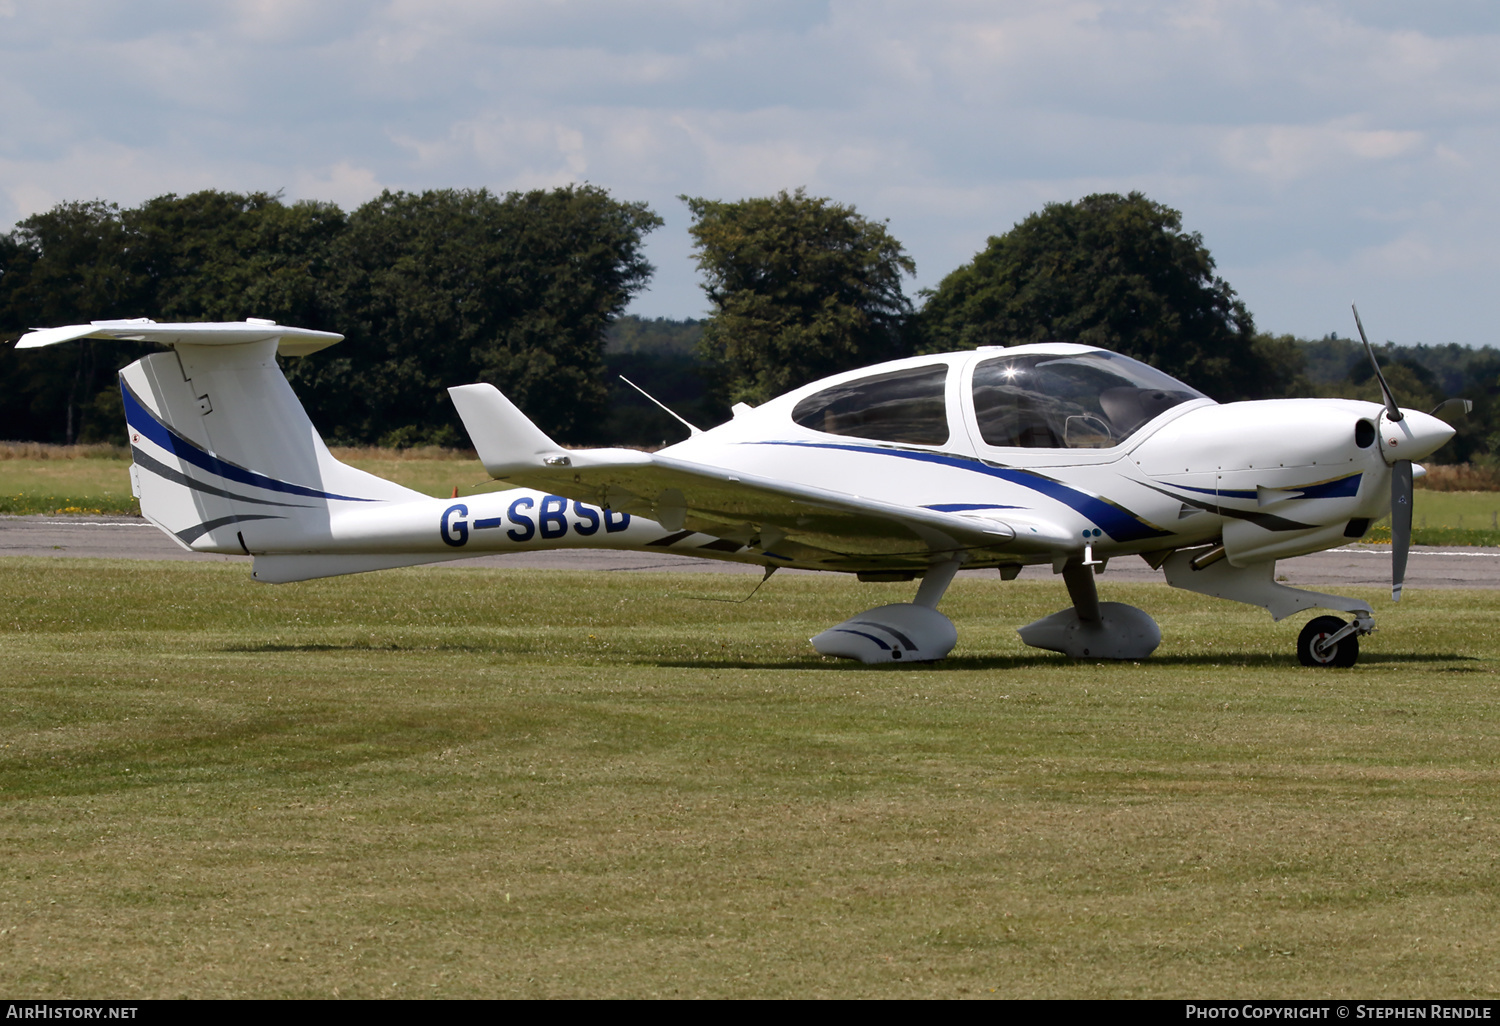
(997, 458)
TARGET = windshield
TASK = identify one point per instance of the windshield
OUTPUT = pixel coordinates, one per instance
(1084, 401)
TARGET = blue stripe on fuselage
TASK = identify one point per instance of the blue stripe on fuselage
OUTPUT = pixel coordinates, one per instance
(148, 424)
(1120, 524)
(1342, 488)
(964, 507)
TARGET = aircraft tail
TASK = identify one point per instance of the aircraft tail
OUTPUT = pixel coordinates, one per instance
(225, 457)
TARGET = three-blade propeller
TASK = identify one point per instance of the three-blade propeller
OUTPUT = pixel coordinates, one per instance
(1401, 478)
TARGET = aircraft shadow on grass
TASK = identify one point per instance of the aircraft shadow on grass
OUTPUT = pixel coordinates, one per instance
(363, 646)
(955, 664)
(963, 663)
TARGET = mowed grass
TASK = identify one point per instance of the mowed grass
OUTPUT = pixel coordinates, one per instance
(1448, 518)
(95, 482)
(486, 783)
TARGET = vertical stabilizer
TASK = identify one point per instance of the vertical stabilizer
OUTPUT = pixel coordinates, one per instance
(226, 459)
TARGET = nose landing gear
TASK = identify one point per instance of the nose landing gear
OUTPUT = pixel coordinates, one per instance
(1329, 641)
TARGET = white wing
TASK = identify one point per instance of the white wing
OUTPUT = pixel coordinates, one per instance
(792, 522)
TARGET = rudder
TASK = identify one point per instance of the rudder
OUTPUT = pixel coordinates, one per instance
(226, 459)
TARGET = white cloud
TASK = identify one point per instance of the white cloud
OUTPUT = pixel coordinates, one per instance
(115, 173)
(340, 183)
(1283, 153)
(1318, 145)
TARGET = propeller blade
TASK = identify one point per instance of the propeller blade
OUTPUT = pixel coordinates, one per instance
(1400, 524)
(1462, 406)
(1391, 409)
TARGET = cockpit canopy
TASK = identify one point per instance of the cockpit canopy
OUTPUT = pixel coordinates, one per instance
(908, 405)
(1089, 399)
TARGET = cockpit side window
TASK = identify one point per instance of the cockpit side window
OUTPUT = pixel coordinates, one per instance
(898, 406)
(1085, 401)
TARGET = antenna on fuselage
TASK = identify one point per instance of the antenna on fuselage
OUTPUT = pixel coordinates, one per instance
(664, 406)
(771, 568)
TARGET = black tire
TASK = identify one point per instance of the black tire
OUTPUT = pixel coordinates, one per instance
(1344, 654)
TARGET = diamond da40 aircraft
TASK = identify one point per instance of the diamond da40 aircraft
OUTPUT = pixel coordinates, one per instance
(1055, 454)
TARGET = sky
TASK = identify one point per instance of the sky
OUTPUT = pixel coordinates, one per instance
(1327, 153)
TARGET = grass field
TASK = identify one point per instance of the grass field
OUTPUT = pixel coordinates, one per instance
(99, 480)
(475, 783)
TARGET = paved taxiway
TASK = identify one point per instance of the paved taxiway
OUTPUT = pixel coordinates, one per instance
(1350, 566)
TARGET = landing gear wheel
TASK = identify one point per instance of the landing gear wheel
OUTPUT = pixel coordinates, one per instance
(1342, 655)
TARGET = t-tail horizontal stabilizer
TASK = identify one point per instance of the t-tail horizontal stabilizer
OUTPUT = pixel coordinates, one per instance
(289, 341)
(225, 458)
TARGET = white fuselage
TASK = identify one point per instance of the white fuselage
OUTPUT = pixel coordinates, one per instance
(1270, 479)
(1188, 476)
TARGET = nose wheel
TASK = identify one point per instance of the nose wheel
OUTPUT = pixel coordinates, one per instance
(1329, 641)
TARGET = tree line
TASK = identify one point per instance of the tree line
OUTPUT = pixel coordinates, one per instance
(527, 291)
(430, 289)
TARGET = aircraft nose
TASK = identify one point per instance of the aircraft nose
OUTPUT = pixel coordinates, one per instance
(1413, 437)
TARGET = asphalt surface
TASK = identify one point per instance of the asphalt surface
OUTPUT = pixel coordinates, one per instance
(1350, 566)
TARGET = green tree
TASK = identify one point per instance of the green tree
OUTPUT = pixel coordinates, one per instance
(433, 289)
(1113, 271)
(632, 334)
(453, 286)
(68, 265)
(223, 256)
(1284, 371)
(1421, 376)
(802, 287)
(662, 356)
(208, 256)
